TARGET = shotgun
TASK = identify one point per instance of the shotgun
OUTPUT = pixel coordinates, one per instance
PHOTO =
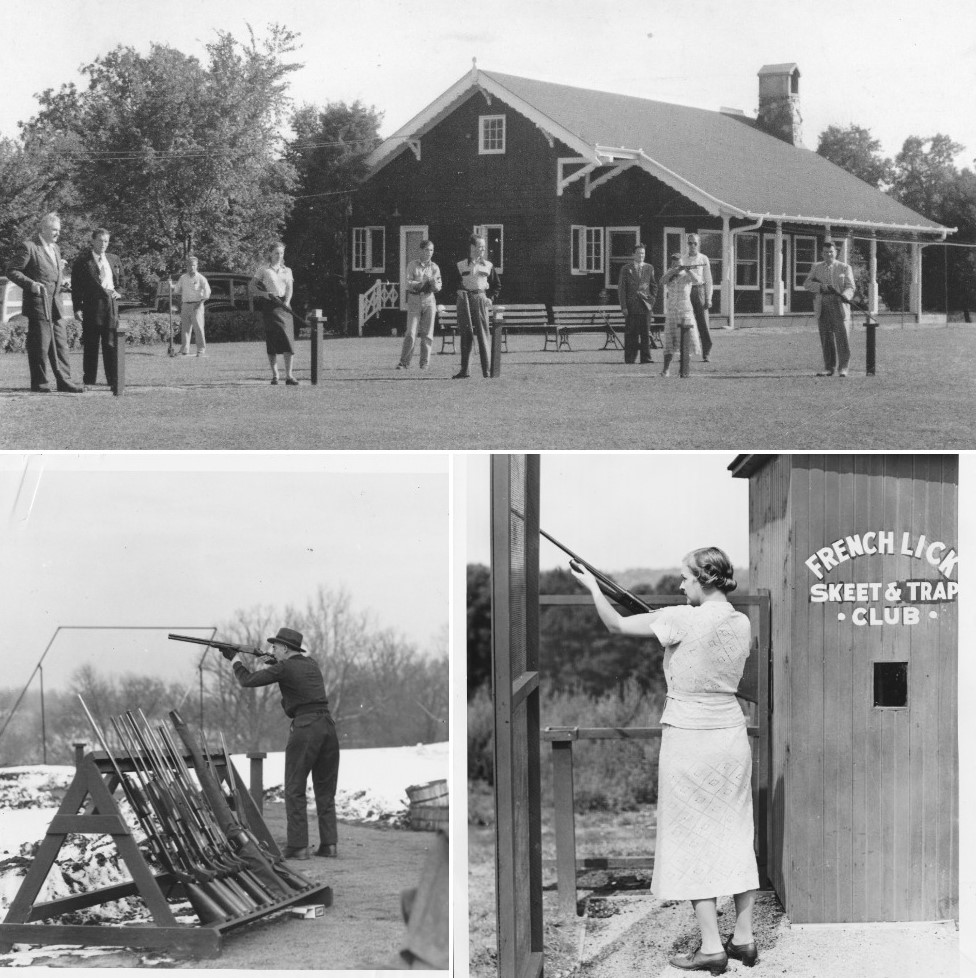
(854, 304)
(220, 646)
(608, 586)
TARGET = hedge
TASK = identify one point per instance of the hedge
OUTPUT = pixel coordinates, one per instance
(146, 328)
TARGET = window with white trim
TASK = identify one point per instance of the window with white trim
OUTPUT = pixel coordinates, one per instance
(747, 260)
(494, 235)
(710, 245)
(621, 243)
(586, 250)
(491, 134)
(368, 249)
(804, 258)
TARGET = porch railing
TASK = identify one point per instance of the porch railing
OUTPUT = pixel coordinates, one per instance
(380, 295)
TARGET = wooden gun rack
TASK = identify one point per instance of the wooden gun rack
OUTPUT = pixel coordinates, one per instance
(93, 788)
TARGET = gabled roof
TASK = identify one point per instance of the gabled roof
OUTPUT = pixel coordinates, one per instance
(723, 162)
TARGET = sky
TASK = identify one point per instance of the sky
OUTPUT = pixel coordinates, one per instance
(891, 66)
(185, 541)
(626, 510)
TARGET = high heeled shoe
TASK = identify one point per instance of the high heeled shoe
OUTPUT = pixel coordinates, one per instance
(746, 953)
(714, 963)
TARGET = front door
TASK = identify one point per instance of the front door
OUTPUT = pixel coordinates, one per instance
(771, 280)
(410, 238)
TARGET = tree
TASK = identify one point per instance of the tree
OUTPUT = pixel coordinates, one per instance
(172, 155)
(856, 151)
(328, 155)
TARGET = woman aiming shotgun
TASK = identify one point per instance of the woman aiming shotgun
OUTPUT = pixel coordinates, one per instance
(704, 814)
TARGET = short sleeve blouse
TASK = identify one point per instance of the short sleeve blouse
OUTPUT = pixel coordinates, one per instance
(278, 282)
(706, 648)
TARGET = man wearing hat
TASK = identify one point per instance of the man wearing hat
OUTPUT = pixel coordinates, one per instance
(313, 747)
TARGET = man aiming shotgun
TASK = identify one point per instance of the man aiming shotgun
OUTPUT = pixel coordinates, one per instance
(313, 747)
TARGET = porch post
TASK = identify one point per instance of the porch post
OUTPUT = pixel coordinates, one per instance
(915, 296)
(873, 276)
(778, 271)
(727, 295)
(845, 249)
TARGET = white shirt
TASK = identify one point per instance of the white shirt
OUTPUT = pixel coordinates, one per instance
(105, 272)
(700, 269)
(193, 288)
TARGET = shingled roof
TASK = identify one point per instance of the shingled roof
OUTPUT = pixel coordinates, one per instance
(724, 161)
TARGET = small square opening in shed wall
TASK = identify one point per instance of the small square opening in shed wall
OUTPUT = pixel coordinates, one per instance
(891, 684)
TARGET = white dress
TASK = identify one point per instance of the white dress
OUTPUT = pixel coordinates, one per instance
(704, 805)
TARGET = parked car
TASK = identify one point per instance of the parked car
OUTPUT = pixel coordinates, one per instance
(12, 301)
(228, 290)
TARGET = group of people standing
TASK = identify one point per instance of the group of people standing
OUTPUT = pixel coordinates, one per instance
(96, 277)
(688, 298)
(479, 289)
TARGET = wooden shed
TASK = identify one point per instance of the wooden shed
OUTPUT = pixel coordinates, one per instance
(860, 554)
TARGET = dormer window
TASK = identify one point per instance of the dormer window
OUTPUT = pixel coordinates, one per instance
(491, 134)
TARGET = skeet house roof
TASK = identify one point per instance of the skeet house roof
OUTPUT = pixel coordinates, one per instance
(723, 161)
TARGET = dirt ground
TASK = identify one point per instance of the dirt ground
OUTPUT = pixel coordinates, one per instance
(362, 930)
(624, 932)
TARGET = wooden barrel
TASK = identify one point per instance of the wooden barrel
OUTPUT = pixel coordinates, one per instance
(429, 806)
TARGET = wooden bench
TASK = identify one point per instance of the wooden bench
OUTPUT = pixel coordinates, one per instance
(522, 316)
(610, 318)
(525, 317)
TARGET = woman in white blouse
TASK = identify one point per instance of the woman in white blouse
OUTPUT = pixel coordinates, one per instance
(275, 280)
(704, 808)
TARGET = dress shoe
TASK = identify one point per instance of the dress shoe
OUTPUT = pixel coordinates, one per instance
(401, 366)
(291, 382)
(825, 373)
(274, 380)
(746, 953)
(71, 389)
(295, 852)
(647, 361)
(328, 852)
(715, 963)
(843, 373)
(461, 376)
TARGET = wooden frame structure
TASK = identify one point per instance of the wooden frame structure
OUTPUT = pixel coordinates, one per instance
(755, 682)
(89, 807)
(515, 675)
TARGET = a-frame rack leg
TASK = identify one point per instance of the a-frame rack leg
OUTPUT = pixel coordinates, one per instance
(100, 816)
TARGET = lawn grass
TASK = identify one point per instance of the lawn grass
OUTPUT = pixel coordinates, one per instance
(758, 392)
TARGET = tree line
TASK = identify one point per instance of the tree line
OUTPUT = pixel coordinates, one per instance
(383, 691)
(173, 155)
(576, 652)
(923, 176)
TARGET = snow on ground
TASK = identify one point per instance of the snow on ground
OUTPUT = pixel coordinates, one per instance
(372, 786)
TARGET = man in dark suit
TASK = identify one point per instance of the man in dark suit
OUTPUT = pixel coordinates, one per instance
(36, 268)
(636, 291)
(95, 277)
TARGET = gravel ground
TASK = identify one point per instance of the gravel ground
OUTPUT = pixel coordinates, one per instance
(625, 935)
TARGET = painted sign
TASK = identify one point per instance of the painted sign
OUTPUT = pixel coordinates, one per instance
(885, 602)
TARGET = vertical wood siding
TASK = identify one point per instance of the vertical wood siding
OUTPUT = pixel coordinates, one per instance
(864, 799)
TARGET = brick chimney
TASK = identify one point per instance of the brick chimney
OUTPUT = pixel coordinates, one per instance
(779, 102)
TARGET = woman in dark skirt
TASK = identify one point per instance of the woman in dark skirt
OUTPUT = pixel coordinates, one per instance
(275, 279)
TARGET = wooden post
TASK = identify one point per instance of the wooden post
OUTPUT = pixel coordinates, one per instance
(317, 323)
(685, 368)
(870, 346)
(256, 788)
(118, 339)
(79, 746)
(562, 803)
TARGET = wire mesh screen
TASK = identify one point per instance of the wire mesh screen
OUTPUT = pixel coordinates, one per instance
(515, 656)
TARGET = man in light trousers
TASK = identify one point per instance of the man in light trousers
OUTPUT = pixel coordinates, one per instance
(423, 283)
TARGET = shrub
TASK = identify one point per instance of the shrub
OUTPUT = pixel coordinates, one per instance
(481, 736)
(234, 326)
(146, 328)
(608, 775)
